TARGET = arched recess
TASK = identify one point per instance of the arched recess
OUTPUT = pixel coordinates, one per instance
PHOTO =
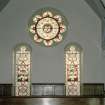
(22, 69)
(73, 60)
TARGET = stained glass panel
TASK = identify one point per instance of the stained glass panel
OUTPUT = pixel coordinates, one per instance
(73, 88)
(47, 27)
(22, 76)
(73, 71)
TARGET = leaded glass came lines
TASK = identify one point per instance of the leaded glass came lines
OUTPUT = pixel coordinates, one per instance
(73, 70)
(22, 77)
(47, 27)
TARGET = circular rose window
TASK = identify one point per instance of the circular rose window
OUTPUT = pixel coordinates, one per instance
(47, 27)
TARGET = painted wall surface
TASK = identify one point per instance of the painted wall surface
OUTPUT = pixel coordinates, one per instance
(48, 64)
(103, 46)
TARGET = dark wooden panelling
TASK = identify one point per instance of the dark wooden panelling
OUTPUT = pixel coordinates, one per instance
(48, 89)
(5, 89)
(51, 101)
(54, 89)
(93, 89)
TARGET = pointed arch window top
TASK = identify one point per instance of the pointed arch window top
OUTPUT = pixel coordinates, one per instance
(22, 47)
(73, 46)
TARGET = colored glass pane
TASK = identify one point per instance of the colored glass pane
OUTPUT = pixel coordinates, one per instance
(73, 71)
(47, 27)
(22, 76)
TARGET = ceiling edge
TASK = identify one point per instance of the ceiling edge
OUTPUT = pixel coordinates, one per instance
(3, 4)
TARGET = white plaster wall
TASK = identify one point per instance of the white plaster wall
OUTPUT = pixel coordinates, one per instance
(48, 63)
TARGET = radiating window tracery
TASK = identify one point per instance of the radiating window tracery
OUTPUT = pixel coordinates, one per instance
(48, 27)
(22, 70)
(73, 63)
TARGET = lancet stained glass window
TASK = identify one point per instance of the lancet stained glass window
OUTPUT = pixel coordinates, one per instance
(73, 63)
(22, 70)
(47, 27)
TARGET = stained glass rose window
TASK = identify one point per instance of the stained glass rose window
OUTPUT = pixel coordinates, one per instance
(47, 27)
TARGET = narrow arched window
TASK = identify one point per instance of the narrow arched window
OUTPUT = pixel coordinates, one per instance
(73, 68)
(22, 69)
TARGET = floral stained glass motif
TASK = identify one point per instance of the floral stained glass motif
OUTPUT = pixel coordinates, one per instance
(47, 28)
(72, 71)
(22, 78)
